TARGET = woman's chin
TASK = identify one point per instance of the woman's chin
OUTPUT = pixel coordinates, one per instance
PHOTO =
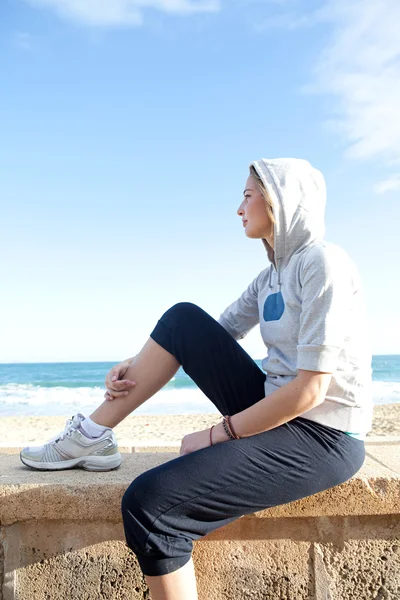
(252, 235)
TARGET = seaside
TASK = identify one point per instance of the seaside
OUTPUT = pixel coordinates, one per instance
(156, 429)
(36, 399)
(58, 389)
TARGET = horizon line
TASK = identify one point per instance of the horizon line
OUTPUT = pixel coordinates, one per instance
(57, 362)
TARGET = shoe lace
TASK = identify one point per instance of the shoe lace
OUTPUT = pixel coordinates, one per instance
(71, 425)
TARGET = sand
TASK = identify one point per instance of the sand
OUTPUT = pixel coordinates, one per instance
(20, 431)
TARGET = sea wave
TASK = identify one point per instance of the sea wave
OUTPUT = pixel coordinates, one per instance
(31, 400)
(28, 399)
(386, 392)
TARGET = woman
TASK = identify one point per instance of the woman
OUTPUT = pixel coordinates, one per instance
(290, 430)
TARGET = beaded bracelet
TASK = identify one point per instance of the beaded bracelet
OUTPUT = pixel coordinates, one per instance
(236, 436)
(227, 429)
(230, 432)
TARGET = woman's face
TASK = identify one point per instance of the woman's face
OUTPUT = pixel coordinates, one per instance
(254, 213)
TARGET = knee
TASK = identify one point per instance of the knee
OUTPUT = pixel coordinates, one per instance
(183, 311)
(159, 545)
(134, 498)
(136, 513)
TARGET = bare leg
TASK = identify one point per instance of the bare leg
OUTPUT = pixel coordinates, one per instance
(151, 369)
(179, 585)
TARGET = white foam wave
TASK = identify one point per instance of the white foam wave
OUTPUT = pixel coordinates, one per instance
(386, 392)
(27, 399)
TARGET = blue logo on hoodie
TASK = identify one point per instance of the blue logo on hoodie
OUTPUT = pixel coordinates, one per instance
(274, 307)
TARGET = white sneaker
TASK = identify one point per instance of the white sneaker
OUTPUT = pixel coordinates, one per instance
(72, 448)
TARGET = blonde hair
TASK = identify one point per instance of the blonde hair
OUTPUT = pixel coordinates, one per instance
(268, 207)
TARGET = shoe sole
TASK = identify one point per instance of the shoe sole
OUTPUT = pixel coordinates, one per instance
(88, 463)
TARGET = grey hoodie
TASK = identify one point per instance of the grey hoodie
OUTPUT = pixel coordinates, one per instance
(310, 306)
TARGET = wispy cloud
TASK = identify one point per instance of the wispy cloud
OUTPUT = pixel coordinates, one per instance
(22, 41)
(122, 12)
(290, 19)
(388, 185)
(360, 66)
(282, 3)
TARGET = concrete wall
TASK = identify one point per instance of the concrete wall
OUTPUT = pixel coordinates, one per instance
(61, 537)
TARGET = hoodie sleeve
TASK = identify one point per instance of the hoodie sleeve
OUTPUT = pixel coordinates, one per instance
(327, 290)
(243, 314)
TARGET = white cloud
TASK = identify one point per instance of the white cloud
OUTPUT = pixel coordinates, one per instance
(283, 3)
(290, 20)
(286, 20)
(388, 185)
(360, 66)
(122, 12)
(22, 41)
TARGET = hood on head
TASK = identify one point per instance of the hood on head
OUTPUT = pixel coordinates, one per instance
(298, 194)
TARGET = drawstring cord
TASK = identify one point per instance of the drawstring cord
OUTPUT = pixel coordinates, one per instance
(279, 278)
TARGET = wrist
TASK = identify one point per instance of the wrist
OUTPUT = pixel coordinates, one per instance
(219, 435)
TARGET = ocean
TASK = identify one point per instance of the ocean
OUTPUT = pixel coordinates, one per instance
(46, 389)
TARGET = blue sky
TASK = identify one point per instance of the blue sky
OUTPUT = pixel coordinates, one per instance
(127, 128)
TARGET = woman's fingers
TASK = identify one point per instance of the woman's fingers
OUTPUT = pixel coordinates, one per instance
(111, 394)
(115, 374)
(116, 387)
(121, 385)
(119, 389)
(119, 371)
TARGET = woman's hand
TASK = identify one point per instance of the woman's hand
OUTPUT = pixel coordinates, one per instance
(118, 387)
(201, 439)
(195, 441)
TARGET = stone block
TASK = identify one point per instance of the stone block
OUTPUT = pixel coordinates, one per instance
(75, 494)
(388, 456)
(61, 536)
(74, 561)
(361, 569)
(90, 561)
(256, 570)
(1, 562)
(323, 558)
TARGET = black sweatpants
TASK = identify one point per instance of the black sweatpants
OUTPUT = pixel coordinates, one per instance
(166, 508)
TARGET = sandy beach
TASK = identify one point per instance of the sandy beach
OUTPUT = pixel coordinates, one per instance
(19, 431)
